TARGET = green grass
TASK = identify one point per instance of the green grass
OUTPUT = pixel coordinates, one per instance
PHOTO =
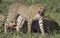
(52, 10)
(26, 35)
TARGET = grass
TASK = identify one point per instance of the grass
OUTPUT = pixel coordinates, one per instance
(26, 35)
(52, 10)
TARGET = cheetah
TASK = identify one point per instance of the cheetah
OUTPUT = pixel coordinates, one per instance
(29, 13)
(40, 11)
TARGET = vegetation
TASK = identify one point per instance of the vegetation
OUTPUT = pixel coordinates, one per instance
(52, 10)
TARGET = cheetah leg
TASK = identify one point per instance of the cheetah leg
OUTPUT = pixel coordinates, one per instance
(19, 24)
(5, 29)
(29, 25)
(41, 25)
(17, 27)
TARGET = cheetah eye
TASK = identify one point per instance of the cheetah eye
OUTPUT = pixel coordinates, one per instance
(39, 12)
